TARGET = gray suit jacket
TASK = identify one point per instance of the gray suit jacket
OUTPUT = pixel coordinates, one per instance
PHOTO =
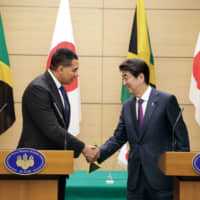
(155, 138)
(44, 126)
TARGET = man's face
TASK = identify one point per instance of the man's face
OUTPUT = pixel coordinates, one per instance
(69, 73)
(132, 84)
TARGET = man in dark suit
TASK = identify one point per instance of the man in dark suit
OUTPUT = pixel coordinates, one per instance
(146, 122)
(46, 110)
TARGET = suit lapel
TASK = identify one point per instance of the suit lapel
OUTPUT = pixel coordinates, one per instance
(151, 105)
(57, 102)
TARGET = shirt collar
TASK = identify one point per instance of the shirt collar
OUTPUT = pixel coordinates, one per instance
(58, 84)
(146, 94)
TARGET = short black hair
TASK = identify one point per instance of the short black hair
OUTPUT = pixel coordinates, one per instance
(62, 56)
(136, 67)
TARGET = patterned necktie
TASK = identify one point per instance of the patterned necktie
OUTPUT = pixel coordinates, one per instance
(140, 114)
(63, 92)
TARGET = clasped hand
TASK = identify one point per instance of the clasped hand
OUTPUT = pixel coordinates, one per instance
(91, 153)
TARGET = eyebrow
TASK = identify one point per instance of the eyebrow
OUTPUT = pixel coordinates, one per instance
(124, 75)
(76, 69)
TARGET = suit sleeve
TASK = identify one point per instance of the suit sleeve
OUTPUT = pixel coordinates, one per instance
(115, 142)
(39, 104)
(181, 133)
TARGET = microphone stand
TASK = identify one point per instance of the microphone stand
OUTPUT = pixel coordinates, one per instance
(60, 115)
(173, 130)
(3, 107)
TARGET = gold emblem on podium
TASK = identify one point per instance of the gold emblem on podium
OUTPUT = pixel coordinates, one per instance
(25, 162)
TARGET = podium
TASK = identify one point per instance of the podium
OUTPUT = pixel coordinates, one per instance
(40, 186)
(187, 180)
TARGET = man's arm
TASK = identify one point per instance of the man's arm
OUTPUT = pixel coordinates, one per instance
(116, 141)
(39, 104)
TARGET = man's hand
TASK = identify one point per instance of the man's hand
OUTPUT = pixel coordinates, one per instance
(91, 153)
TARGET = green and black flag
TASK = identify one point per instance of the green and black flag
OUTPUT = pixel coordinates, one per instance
(7, 113)
(140, 45)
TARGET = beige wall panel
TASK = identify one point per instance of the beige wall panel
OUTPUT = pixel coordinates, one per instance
(169, 4)
(24, 69)
(13, 3)
(172, 33)
(90, 79)
(80, 163)
(87, 25)
(120, 4)
(117, 28)
(110, 116)
(28, 30)
(90, 126)
(10, 138)
(193, 127)
(173, 76)
(90, 130)
(87, 3)
(52, 3)
(112, 81)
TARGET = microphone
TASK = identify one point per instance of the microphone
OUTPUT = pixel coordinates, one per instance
(60, 115)
(3, 107)
(173, 129)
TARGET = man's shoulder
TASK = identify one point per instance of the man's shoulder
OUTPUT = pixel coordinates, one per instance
(40, 81)
(129, 101)
(164, 96)
(161, 93)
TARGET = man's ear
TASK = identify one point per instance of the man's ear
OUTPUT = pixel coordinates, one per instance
(141, 76)
(60, 69)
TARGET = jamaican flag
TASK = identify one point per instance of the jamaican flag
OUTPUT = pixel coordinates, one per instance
(7, 113)
(140, 45)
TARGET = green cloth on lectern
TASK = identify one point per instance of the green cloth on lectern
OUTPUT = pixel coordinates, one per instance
(84, 186)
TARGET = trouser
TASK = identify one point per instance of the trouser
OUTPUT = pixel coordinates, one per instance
(144, 191)
(61, 187)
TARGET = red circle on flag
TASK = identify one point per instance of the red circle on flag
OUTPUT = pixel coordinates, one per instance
(69, 45)
(196, 69)
(126, 156)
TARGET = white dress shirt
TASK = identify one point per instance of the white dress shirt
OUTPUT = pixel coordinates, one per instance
(58, 85)
(145, 97)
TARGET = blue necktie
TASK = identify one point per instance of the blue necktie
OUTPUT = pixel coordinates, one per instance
(63, 92)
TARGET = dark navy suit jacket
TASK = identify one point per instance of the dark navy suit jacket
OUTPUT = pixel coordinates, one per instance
(44, 126)
(154, 139)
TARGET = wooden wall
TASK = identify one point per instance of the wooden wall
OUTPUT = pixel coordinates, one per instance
(102, 32)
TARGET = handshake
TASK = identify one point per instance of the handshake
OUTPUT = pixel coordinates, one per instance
(91, 153)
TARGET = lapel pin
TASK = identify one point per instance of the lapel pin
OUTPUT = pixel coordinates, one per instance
(153, 103)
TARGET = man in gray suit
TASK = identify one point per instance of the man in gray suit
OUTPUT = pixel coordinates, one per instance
(46, 110)
(146, 123)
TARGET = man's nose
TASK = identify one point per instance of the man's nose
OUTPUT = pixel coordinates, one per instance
(76, 74)
(124, 82)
